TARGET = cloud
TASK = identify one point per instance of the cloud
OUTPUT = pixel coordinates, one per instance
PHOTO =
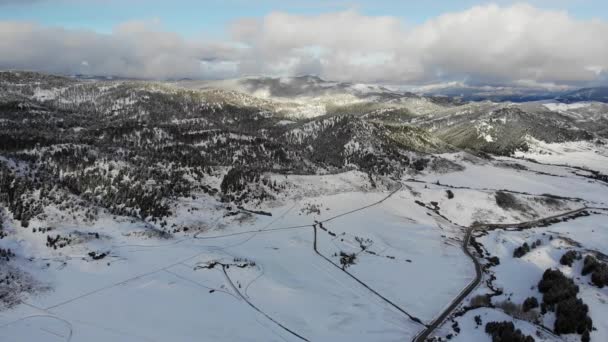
(339, 44)
(133, 49)
(517, 42)
(485, 44)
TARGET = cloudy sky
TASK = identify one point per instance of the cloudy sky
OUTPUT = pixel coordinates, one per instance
(551, 43)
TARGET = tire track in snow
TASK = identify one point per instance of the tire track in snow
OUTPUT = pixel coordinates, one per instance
(236, 290)
(362, 283)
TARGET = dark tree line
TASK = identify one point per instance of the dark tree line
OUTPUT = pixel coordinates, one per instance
(506, 332)
(525, 248)
(559, 295)
(597, 269)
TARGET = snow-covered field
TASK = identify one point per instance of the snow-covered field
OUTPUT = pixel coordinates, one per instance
(583, 234)
(471, 332)
(518, 278)
(583, 154)
(500, 174)
(258, 278)
(151, 290)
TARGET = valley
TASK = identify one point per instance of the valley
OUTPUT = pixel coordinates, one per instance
(293, 209)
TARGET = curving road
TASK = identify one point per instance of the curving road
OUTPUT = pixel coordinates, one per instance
(423, 335)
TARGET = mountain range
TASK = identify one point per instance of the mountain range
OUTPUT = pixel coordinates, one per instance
(298, 209)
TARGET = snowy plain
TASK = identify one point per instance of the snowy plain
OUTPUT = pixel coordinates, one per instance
(154, 289)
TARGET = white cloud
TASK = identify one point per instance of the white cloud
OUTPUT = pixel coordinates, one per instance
(517, 42)
(133, 49)
(489, 43)
(343, 43)
(495, 44)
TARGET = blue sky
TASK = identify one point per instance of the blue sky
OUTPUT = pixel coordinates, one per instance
(210, 17)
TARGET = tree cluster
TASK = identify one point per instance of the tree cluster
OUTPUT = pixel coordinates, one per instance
(530, 303)
(506, 332)
(569, 257)
(559, 295)
(525, 248)
(6, 254)
(347, 259)
(597, 269)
